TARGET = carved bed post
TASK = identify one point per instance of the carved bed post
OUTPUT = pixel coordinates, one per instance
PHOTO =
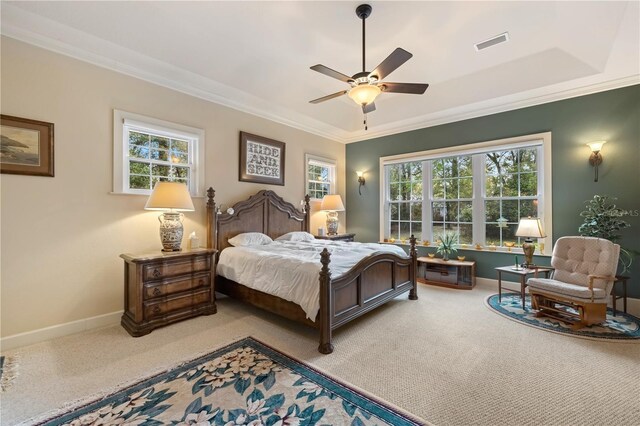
(307, 213)
(212, 219)
(325, 314)
(413, 293)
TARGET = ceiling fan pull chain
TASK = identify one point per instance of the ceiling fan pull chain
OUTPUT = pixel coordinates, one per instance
(365, 122)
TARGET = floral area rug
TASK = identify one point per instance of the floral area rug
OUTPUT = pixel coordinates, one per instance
(245, 383)
(621, 327)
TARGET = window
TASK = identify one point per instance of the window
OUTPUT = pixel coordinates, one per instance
(478, 192)
(511, 192)
(147, 150)
(321, 176)
(452, 197)
(405, 199)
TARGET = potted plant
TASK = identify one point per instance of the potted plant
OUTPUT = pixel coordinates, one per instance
(446, 245)
(603, 219)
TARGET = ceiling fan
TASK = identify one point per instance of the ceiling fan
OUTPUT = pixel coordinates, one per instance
(366, 86)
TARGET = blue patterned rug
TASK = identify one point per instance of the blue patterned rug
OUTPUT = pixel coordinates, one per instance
(7, 372)
(245, 383)
(622, 327)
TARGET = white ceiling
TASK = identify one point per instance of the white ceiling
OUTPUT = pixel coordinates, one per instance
(255, 56)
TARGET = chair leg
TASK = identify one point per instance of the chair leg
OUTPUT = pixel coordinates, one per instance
(593, 313)
(534, 301)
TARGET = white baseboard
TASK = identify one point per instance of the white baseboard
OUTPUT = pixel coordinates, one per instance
(633, 304)
(47, 333)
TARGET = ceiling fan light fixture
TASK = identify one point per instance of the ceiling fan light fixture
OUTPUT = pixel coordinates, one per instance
(364, 94)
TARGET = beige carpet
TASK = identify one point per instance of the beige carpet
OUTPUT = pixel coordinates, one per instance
(445, 358)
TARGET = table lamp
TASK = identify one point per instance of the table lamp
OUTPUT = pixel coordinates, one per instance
(332, 204)
(174, 197)
(529, 228)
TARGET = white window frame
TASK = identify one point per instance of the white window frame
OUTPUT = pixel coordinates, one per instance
(544, 181)
(124, 121)
(331, 164)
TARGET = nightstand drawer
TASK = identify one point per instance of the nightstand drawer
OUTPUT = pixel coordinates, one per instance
(167, 269)
(154, 309)
(176, 285)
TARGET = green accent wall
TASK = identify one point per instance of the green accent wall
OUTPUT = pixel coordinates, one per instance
(613, 116)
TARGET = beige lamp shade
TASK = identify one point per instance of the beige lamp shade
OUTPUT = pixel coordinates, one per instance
(170, 195)
(530, 228)
(332, 203)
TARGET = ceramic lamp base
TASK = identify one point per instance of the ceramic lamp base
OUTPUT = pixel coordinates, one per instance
(171, 231)
(332, 223)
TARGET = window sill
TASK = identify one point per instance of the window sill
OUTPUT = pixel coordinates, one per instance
(514, 251)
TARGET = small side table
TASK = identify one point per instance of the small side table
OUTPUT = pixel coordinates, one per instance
(614, 294)
(523, 273)
(336, 237)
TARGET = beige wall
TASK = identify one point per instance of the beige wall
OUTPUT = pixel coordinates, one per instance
(61, 236)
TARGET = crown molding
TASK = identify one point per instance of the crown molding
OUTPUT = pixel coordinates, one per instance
(489, 107)
(18, 24)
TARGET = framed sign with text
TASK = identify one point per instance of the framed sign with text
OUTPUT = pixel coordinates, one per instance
(261, 160)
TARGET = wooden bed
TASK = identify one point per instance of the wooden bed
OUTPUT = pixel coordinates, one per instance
(372, 282)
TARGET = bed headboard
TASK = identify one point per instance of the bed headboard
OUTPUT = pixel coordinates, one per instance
(264, 212)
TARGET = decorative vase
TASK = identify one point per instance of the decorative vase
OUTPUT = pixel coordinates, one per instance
(171, 230)
(445, 256)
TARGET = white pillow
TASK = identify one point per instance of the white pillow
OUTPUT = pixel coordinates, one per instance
(296, 236)
(250, 239)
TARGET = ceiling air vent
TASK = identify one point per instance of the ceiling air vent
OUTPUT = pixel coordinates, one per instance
(504, 37)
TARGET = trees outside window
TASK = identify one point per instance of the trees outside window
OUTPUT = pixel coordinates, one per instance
(148, 150)
(321, 176)
(477, 193)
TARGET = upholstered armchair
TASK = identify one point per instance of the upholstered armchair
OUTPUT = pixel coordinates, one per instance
(585, 269)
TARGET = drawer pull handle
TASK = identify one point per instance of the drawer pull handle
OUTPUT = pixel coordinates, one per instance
(156, 273)
(156, 309)
(201, 282)
(157, 291)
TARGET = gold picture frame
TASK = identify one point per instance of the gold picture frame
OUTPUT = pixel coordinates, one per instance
(26, 146)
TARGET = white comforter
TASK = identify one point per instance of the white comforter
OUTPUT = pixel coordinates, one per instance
(290, 270)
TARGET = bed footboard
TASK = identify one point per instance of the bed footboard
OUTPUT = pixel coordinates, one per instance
(371, 283)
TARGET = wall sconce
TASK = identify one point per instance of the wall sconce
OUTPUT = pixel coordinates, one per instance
(360, 181)
(596, 158)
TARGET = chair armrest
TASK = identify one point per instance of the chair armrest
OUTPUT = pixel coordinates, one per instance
(598, 277)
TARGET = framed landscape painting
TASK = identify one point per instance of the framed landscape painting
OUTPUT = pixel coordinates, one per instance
(261, 160)
(26, 147)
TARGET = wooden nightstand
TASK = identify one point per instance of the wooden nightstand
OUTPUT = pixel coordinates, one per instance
(337, 237)
(162, 288)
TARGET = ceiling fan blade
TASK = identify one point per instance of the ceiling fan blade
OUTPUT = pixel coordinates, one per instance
(331, 73)
(412, 88)
(326, 98)
(393, 61)
(369, 107)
